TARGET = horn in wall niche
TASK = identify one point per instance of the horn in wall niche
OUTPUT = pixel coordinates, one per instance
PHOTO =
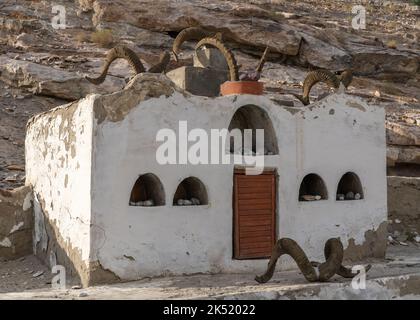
(230, 58)
(192, 33)
(333, 252)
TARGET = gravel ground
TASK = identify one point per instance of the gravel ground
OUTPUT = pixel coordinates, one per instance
(26, 273)
(401, 269)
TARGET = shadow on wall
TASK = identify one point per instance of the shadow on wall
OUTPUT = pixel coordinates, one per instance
(312, 188)
(50, 247)
(191, 191)
(147, 191)
(349, 187)
(253, 117)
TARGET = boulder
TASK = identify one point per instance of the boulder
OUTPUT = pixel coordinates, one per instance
(404, 203)
(403, 154)
(48, 81)
(16, 222)
(173, 16)
(402, 133)
(252, 28)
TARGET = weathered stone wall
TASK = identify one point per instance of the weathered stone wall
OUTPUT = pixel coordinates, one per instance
(16, 223)
(404, 203)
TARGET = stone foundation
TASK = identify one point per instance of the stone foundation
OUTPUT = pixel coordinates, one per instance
(374, 245)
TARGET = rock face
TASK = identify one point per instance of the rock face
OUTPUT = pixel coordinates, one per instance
(47, 81)
(254, 26)
(403, 154)
(406, 134)
(404, 204)
(16, 223)
(403, 160)
(175, 15)
(403, 137)
(47, 65)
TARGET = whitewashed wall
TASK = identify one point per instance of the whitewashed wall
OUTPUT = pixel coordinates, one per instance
(134, 242)
(58, 166)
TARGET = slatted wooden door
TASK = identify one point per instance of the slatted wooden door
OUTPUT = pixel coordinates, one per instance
(254, 202)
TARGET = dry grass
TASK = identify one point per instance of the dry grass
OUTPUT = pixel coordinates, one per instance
(392, 44)
(104, 38)
(19, 15)
(82, 37)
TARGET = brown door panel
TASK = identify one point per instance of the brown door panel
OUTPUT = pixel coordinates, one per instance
(254, 215)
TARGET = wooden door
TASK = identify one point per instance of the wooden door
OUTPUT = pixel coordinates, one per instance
(254, 206)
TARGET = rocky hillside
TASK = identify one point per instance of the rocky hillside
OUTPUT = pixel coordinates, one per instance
(42, 67)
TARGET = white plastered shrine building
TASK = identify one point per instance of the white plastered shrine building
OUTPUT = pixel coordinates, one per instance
(105, 208)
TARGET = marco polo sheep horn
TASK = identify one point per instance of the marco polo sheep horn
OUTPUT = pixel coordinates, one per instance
(192, 33)
(161, 65)
(346, 77)
(313, 78)
(325, 76)
(333, 252)
(122, 52)
(230, 58)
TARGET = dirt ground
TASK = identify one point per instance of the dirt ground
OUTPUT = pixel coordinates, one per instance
(26, 273)
(386, 280)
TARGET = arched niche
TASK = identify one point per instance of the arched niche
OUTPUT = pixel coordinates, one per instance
(191, 191)
(147, 191)
(312, 188)
(349, 187)
(252, 117)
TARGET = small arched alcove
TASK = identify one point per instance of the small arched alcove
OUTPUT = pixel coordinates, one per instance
(191, 191)
(349, 187)
(312, 188)
(147, 191)
(252, 117)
